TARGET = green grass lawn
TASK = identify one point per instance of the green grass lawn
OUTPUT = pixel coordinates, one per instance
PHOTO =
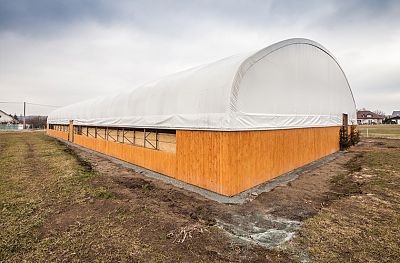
(382, 131)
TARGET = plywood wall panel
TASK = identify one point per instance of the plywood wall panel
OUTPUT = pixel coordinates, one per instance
(158, 161)
(58, 134)
(231, 162)
(225, 162)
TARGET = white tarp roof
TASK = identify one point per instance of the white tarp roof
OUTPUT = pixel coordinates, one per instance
(292, 84)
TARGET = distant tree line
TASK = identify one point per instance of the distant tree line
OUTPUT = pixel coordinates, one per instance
(37, 122)
(34, 122)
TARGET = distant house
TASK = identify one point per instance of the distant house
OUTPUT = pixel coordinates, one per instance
(6, 118)
(369, 117)
(395, 117)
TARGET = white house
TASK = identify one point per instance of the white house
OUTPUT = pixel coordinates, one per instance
(5, 118)
(368, 117)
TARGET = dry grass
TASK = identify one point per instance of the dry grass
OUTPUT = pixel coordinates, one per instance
(380, 131)
(55, 207)
(39, 180)
(364, 224)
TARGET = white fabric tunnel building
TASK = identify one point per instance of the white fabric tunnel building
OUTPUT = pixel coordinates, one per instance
(231, 124)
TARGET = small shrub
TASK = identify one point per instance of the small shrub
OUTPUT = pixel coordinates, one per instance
(344, 139)
(354, 135)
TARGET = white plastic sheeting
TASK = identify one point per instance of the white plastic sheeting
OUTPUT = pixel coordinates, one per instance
(295, 83)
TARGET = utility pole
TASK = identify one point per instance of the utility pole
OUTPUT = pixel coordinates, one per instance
(24, 115)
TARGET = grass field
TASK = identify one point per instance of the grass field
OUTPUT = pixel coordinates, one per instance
(381, 131)
(63, 205)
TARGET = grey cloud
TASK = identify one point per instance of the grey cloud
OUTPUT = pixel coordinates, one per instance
(58, 52)
(49, 16)
(363, 13)
(46, 16)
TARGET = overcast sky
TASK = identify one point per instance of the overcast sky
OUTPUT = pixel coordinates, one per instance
(60, 52)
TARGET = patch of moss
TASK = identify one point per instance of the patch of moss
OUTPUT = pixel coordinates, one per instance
(105, 194)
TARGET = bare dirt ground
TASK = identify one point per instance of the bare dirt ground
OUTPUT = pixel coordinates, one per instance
(64, 204)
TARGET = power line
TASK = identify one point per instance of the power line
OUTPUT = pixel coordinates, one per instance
(11, 102)
(24, 105)
(31, 103)
(44, 105)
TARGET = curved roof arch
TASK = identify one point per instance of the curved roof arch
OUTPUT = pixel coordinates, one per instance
(294, 83)
(253, 59)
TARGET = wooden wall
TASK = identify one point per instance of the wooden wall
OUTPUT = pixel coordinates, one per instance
(232, 162)
(58, 134)
(159, 161)
(226, 162)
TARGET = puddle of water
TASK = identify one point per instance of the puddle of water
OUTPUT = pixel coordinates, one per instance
(265, 230)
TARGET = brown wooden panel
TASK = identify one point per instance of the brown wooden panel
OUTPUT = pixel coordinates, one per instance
(224, 162)
(167, 137)
(199, 158)
(232, 162)
(167, 147)
(58, 134)
(71, 131)
(158, 161)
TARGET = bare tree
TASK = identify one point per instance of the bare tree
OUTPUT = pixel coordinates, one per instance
(379, 112)
(36, 122)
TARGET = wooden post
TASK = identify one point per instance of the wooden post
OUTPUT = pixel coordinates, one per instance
(345, 121)
(71, 131)
(157, 139)
(144, 138)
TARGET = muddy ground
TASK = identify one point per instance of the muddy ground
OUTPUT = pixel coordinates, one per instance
(82, 207)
